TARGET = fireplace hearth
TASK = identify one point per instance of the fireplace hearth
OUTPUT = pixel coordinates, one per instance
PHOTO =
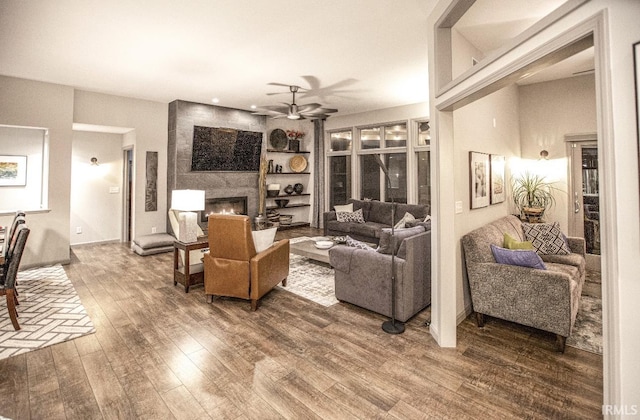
(231, 205)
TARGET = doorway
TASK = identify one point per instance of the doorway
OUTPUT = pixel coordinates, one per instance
(584, 189)
(127, 188)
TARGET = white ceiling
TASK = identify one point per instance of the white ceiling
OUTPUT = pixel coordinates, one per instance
(358, 54)
(355, 55)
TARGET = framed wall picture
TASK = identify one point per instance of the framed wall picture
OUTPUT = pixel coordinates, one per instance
(479, 179)
(497, 179)
(13, 171)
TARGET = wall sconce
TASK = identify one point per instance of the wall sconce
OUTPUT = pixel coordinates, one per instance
(544, 155)
(94, 161)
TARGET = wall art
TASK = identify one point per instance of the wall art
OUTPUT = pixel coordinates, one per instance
(479, 179)
(497, 179)
(151, 185)
(13, 171)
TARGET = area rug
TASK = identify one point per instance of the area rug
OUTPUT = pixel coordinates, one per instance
(50, 312)
(587, 330)
(310, 279)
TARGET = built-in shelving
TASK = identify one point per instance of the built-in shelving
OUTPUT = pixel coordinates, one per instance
(287, 151)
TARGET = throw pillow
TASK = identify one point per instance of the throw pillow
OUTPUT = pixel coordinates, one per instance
(512, 243)
(345, 216)
(262, 239)
(358, 244)
(547, 238)
(519, 257)
(345, 208)
(427, 219)
(399, 234)
(407, 218)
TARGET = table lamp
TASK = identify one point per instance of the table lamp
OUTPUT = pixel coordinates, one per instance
(187, 202)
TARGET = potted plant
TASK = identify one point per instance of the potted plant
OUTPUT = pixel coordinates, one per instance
(532, 195)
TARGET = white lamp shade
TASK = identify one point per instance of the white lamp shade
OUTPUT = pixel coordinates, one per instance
(187, 200)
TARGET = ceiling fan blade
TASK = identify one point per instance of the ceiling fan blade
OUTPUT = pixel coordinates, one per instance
(275, 108)
(308, 107)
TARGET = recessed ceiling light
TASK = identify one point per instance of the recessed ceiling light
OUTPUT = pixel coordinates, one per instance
(215, 100)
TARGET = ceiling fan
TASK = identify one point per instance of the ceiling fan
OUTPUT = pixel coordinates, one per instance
(294, 111)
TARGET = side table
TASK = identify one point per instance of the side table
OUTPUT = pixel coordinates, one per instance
(189, 274)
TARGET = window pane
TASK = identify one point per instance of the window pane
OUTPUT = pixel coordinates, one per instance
(424, 177)
(341, 141)
(370, 177)
(340, 182)
(424, 134)
(395, 135)
(397, 166)
(370, 138)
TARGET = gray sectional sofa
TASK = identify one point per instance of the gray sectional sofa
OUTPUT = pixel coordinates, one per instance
(363, 276)
(545, 299)
(377, 215)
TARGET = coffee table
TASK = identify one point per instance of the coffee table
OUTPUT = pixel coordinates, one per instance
(308, 249)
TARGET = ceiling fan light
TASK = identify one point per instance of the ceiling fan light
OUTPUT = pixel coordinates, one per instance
(293, 116)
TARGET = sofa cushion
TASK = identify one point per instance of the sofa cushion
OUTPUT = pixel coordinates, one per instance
(344, 208)
(519, 257)
(547, 238)
(339, 226)
(354, 216)
(400, 234)
(369, 229)
(380, 212)
(575, 260)
(512, 243)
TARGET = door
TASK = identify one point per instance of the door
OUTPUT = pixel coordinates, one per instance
(584, 213)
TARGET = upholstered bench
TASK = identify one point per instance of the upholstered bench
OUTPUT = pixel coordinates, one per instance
(155, 243)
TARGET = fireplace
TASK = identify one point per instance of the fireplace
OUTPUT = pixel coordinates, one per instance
(234, 205)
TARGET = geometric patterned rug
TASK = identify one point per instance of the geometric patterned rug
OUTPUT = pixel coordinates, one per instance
(310, 279)
(50, 312)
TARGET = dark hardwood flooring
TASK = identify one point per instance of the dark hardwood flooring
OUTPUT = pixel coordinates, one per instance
(160, 353)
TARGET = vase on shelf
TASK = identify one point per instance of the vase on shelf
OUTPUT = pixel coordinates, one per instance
(294, 145)
(288, 189)
(298, 188)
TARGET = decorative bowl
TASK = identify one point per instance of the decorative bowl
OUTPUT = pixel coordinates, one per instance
(282, 202)
(285, 219)
(324, 244)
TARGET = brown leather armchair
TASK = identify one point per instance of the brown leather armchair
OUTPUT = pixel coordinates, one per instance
(233, 268)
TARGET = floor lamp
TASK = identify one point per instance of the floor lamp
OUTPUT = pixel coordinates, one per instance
(391, 326)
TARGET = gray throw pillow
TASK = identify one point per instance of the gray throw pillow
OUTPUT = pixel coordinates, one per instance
(357, 244)
(345, 216)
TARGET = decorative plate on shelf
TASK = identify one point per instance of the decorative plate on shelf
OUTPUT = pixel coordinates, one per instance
(298, 163)
(278, 139)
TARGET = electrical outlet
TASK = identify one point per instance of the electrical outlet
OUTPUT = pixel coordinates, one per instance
(154, 230)
(458, 207)
(79, 229)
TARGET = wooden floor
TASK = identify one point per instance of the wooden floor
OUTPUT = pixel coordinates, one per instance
(160, 353)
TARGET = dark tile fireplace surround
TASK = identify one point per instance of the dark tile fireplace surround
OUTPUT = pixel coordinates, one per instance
(183, 116)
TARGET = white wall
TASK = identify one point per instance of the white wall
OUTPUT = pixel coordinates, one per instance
(150, 121)
(475, 131)
(35, 104)
(548, 112)
(21, 141)
(461, 60)
(618, 145)
(94, 208)
(399, 113)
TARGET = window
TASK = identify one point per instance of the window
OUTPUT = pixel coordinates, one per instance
(369, 177)
(424, 133)
(424, 177)
(339, 180)
(340, 141)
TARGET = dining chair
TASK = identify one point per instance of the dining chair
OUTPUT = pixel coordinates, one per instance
(7, 288)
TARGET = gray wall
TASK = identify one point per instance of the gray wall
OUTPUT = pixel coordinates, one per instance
(183, 116)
